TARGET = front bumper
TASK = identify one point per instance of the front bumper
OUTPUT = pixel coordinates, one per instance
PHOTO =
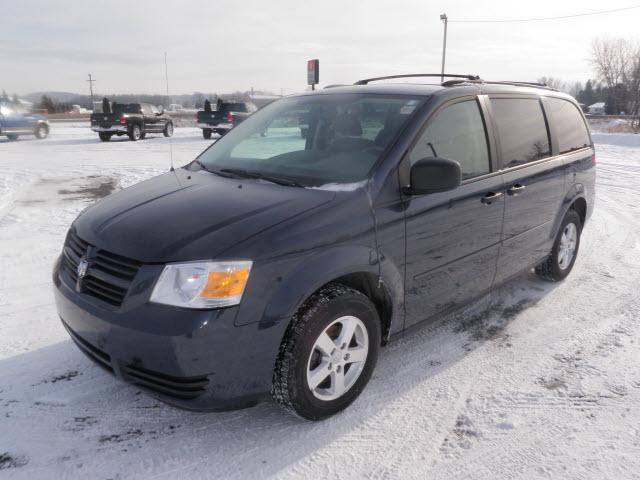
(193, 359)
(112, 128)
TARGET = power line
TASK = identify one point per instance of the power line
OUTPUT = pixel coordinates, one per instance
(541, 19)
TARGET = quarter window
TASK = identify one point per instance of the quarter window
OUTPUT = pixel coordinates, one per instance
(456, 133)
(522, 130)
(568, 125)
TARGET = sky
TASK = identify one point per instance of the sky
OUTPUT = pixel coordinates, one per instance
(225, 46)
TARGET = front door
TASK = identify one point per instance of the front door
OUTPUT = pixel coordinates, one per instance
(453, 238)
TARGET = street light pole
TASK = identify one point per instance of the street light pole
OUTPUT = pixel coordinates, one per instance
(443, 17)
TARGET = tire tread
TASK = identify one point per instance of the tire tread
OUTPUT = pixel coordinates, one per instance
(282, 375)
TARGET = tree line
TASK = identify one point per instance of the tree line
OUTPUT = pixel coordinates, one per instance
(195, 100)
(616, 64)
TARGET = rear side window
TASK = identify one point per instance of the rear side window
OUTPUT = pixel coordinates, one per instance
(456, 133)
(568, 125)
(522, 129)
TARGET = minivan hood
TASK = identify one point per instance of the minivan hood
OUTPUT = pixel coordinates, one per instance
(183, 215)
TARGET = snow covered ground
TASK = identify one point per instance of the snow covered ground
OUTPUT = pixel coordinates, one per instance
(537, 380)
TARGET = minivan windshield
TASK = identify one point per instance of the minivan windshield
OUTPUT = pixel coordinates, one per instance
(312, 140)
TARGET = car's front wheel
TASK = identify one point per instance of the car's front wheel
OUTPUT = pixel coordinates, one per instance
(41, 132)
(565, 249)
(168, 130)
(328, 353)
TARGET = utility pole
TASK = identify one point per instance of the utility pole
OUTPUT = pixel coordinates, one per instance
(91, 82)
(444, 18)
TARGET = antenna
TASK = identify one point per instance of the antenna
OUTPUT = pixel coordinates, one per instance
(166, 79)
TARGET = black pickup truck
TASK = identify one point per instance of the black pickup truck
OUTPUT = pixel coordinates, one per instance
(225, 118)
(132, 119)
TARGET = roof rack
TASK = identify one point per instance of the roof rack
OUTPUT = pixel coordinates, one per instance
(522, 84)
(409, 75)
(458, 80)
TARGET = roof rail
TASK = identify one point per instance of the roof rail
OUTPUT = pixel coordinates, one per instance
(521, 84)
(409, 75)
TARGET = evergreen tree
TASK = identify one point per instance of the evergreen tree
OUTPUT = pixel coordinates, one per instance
(588, 96)
(46, 103)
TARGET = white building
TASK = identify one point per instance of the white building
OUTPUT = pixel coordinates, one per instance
(597, 108)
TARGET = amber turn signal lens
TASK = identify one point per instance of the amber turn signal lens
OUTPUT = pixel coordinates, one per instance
(225, 284)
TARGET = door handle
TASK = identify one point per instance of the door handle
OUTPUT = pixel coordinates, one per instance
(491, 197)
(516, 189)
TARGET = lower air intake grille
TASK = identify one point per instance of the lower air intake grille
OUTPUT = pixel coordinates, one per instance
(179, 387)
(95, 354)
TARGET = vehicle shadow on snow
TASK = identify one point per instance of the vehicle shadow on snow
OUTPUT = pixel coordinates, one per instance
(59, 380)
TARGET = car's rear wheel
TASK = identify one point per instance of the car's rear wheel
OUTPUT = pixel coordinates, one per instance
(12, 136)
(206, 133)
(135, 132)
(168, 129)
(41, 132)
(328, 353)
(104, 136)
(565, 249)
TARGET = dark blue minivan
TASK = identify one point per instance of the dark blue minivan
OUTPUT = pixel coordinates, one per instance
(279, 261)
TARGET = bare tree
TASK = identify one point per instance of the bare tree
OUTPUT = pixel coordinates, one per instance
(634, 88)
(611, 59)
(615, 61)
(554, 82)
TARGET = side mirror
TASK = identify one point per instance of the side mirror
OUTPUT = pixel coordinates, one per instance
(160, 109)
(434, 174)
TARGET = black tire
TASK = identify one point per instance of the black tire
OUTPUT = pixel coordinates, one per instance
(12, 136)
(135, 132)
(104, 136)
(551, 269)
(206, 133)
(168, 129)
(290, 387)
(41, 131)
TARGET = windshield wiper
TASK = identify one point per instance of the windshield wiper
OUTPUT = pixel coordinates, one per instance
(280, 180)
(215, 172)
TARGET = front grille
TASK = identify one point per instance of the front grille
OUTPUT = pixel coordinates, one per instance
(109, 275)
(186, 388)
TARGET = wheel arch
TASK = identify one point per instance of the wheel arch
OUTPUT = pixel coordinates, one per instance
(353, 266)
(575, 199)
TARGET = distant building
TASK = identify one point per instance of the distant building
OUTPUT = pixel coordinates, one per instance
(597, 108)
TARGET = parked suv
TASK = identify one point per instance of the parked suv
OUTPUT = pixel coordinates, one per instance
(132, 119)
(278, 263)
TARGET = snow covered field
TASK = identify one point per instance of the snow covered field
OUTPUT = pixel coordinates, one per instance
(538, 380)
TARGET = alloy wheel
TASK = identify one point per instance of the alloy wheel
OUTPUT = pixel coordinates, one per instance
(567, 247)
(337, 358)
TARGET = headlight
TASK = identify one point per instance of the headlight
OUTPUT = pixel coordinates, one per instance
(202, 284)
